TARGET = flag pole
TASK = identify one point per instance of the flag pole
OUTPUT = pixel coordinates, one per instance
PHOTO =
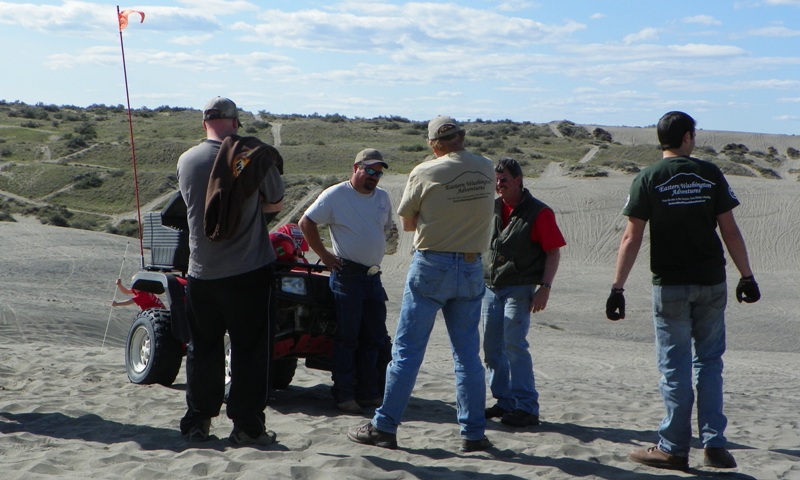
(123, 22)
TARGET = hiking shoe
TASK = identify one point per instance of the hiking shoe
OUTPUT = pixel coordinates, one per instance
(350, 406)
(240, 438)
(475, 445)
(199, 431)
(655, 457)
(718, 457)
(369, 435)
(520, 418)
(495, 412)
(374, 403)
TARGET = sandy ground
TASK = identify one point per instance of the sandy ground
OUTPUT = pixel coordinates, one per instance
(67, 409)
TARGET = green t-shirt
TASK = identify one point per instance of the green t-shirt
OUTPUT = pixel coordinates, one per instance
(681, 197)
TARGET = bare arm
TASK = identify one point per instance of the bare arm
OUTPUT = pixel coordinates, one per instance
(311, 234)
(628, 250)
(542, 294)
(409, 223)
(122, 303)
(734, 242)
(122, 288)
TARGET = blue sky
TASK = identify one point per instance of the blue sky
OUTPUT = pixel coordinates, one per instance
(732, 65)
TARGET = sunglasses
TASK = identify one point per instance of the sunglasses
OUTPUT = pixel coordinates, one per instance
(372, 172)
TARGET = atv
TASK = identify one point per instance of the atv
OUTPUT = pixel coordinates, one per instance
(301, 309)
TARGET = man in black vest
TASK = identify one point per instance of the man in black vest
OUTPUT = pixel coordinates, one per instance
(519, 270)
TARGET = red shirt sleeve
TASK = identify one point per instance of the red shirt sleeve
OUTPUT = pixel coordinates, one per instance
(545, 231)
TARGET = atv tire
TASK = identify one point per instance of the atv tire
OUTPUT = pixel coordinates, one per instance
(152, 354)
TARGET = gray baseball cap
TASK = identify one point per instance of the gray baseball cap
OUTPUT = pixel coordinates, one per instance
(220, 107)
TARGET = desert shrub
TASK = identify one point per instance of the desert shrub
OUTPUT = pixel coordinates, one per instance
(735, 148)
(76, 142)
(87, 181)
(792, 153)
(569, 129)
(127, 228)
(30, 124)
(86, 130)
(412, 148)
(602, 135)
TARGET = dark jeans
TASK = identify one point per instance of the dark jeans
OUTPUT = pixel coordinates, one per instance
(360, 333)
(240, 305)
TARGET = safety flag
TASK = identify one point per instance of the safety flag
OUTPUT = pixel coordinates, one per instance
(123, 18)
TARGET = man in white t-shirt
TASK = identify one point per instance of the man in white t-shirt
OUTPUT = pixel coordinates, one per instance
(359, 215)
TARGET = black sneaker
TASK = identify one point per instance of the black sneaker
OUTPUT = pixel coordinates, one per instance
(495, 412)
(475, 445)
(520, 418)
(240, 438)
(199, 431)
(369, 435)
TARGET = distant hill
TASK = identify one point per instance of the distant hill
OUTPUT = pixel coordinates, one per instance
(71, 166)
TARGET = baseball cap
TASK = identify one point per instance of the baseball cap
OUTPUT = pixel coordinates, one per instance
(370, 156)
(442, 126)
(220, 107)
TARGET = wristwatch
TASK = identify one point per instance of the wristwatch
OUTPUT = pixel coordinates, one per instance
(546, 285)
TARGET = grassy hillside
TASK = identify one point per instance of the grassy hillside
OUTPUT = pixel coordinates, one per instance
(72, 166)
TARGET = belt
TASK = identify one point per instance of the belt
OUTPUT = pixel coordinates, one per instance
(361, 268)
(468, 257)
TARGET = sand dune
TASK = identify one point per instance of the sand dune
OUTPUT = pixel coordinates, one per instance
(68, 411)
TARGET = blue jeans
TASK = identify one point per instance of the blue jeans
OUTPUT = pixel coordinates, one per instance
(506, 319)
(687, 316)
(360, 333)
(447, 282)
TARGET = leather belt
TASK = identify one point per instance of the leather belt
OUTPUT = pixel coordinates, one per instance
(351, 265)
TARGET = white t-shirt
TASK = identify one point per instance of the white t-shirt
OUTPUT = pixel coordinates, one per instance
(358, 221)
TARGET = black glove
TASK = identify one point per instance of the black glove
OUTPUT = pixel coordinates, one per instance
(616, 301)
(747, 290)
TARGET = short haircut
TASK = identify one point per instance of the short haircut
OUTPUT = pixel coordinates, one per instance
(672, 127)
(509, 165)
(451, 142)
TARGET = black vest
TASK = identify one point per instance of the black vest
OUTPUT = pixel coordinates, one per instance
(513, 259)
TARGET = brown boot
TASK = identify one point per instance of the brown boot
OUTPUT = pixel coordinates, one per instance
(655, 457)
(718, 458)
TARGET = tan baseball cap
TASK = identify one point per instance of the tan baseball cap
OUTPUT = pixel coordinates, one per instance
(370, 156)
(443, 126)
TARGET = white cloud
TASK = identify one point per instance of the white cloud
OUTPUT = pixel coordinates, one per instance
(416, 27)
(778, 31)
(648, 33)
(789, 100)
(597, 16)
(187, 40)
(702, 20)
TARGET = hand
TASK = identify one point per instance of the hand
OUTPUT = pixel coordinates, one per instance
(747, 290)
(119, 281)
(615, 302)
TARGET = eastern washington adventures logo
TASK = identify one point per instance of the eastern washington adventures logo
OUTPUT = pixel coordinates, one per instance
(469, 186)
(685, 189)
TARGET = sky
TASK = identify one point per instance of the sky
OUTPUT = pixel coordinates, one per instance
(733, 65)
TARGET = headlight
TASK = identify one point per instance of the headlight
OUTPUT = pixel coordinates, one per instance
(294, 285)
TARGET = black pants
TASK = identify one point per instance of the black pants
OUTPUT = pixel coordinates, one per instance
(240, 305)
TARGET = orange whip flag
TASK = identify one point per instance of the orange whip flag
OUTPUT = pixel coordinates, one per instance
(123, 22)
(123, 17)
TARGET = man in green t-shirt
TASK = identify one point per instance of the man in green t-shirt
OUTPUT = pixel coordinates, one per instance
(684, 199)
